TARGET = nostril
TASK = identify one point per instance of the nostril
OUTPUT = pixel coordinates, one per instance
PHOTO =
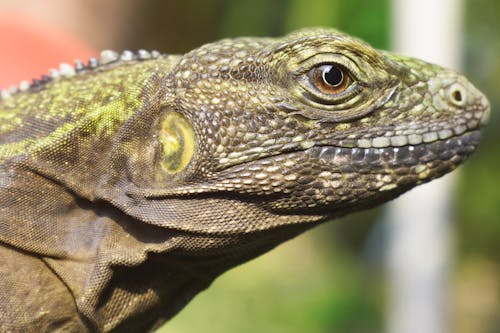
(457, 95)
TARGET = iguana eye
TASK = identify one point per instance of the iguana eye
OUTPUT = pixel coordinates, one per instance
(177, 142)
(331, 79)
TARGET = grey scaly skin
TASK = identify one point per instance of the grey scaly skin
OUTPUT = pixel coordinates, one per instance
(128, 186)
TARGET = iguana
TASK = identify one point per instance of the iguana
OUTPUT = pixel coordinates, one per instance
(128, 183)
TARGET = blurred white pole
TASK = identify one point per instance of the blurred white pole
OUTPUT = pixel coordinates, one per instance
(420, 226)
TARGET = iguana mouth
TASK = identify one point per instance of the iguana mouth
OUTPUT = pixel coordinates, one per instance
(448, 149)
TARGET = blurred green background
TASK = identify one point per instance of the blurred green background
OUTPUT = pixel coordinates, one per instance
(330, 279)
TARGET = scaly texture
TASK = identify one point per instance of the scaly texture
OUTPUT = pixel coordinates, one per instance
(128, 184)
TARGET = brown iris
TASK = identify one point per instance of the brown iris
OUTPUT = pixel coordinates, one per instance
(330, 79)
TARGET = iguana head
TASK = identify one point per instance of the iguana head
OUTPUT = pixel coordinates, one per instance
(316, 123)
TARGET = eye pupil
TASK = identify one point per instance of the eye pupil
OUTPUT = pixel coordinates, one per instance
(331, 79)
(333, 76)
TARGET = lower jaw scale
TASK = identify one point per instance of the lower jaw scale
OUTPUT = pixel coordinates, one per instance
(409, 154)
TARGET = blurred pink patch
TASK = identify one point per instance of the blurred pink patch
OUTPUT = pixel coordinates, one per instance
(29, 47)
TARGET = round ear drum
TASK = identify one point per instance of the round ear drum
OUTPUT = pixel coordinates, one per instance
(177, 141)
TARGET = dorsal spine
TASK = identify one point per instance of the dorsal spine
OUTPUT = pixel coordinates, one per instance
(66, 70)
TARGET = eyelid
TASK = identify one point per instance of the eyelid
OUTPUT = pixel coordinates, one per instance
(328, 99)
(305, 65)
